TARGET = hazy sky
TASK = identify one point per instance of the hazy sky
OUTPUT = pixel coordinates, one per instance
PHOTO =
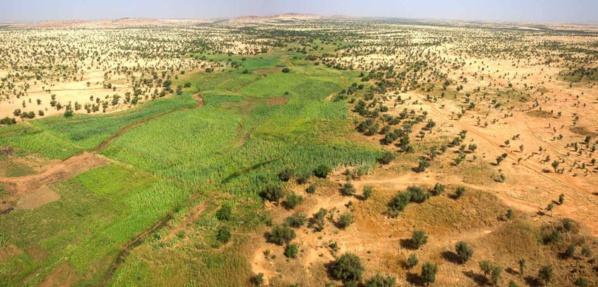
(569, 11)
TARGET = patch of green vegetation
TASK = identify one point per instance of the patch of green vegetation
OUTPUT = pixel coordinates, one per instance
(235, 143)
(88, 131)
(14, 169)
(60, 138)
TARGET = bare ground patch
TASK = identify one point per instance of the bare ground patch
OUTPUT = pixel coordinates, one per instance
(39, 197)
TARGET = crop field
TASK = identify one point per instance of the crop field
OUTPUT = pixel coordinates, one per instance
(266, 151)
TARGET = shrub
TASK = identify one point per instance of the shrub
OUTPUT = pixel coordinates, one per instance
(509, 214)
(68, 113)
(302, 178)
(495, 274)
(223, 235)
(459, 192)
(296, 220)
(291, 251)
(367, 191)
(412, 261)
(438, 189)
(398, 203)
(281, 234)
(285, 174)
(286, 70)
(257, 280)
(545, 274)
(319, 219)
(418, 239)
(311, 189)
(224, 213)
(322, 171)
(347, 268)
(386, 158)
(293, 200)
(486, 267)
(429, 272)
(570, 251)
(580, 282)
(586, 251)
(272, 193)
(348, 189)
(463, 251)
(423, 164)
(381, 281)
(345, 220)
(418, 194)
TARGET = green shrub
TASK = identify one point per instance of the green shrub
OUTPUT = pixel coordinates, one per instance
(386, 158)
(223, 235)
(347, 268)
(296, 220)
(418, 194)
(429, 272)
(225, 213)
(318, 220)
(412, 261)
(418, 238)
(292, 200)
(367, 191)
(398, 203)
(311, 189)
(381, 281)
(281, 234)
(285, 174)
(459, 192)
(438, 189)
(348, 189)
(272, 193)
(322, 171)
(463, 251)
(291, 251)
(344, 220)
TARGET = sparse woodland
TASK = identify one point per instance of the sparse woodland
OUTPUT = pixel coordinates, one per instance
(299, 151)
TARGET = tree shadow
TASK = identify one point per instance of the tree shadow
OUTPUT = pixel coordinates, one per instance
(531, 281)
(511, 271)
(451, 257)
(414, 279)
(477, 278)
(407, 244)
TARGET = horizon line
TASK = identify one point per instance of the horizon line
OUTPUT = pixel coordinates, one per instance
(305, 14)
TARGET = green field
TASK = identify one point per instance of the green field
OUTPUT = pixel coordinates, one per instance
(235, 144)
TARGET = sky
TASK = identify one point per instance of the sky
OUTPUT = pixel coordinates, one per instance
(556, 11)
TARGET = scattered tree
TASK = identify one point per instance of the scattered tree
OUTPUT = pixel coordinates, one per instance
(347, 268)
(418, 238)
(429, 273)
(463, 251)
